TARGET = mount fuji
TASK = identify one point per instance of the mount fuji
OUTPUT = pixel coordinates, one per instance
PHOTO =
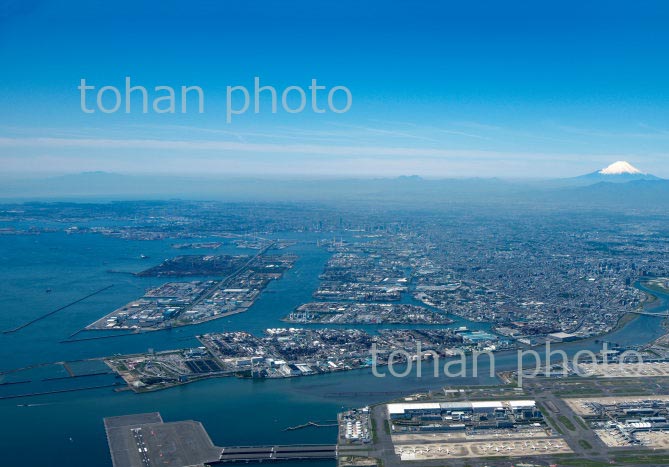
(620, 171)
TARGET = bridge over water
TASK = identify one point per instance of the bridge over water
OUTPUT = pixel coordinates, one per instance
(275, 453)
(648, 313)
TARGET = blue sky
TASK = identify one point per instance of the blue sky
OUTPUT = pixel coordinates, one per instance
(480, 88)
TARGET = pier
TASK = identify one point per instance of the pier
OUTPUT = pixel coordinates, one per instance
(312, 424)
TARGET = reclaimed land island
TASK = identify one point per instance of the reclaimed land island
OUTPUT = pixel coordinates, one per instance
(286, 353)
(184, 303)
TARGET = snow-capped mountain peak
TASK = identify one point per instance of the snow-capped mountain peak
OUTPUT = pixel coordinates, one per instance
(620, 168)
(618, 172)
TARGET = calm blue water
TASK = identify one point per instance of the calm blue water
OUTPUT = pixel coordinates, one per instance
(67, 428)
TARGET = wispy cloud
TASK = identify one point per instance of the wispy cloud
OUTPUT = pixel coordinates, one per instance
(650, 133)
(387, 132)
(431, 129)
(232, 146)
(187, 146)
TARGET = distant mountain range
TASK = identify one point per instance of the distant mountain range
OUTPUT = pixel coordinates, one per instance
(618, 186)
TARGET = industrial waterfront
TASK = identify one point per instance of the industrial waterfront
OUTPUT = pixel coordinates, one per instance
(68, 424)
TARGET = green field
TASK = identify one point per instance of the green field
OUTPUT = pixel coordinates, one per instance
(584, 444)
(566, 422)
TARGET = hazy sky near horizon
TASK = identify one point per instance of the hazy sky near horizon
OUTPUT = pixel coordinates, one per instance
(480, 88)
